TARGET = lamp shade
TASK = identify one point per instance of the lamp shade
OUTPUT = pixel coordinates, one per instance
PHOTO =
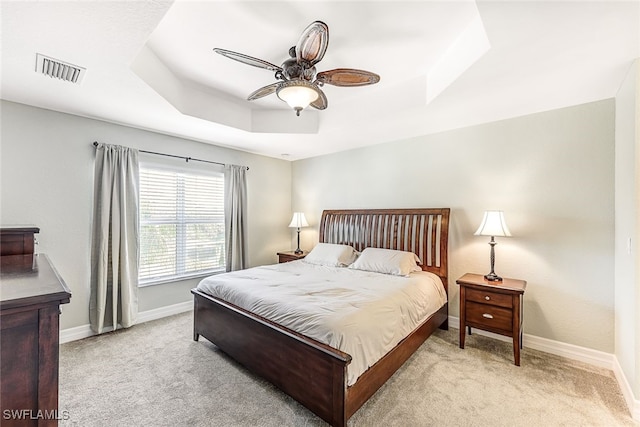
(297, 93)
(493, 224)
(298, 220)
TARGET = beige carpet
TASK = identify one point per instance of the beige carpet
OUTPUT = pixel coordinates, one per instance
(154, 374)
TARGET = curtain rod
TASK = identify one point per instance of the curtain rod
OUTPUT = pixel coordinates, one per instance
(187, 159)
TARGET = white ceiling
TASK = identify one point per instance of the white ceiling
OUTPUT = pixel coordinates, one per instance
(443, 65)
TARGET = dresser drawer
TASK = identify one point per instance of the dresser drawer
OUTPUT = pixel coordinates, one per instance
(487, 297)
(489, 316)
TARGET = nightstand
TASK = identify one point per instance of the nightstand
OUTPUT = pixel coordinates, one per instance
(287, 256)
(492, 306)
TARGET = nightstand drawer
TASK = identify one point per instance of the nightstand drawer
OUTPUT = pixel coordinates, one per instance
(487, 297)
(290, 256)
(286, 258)
(489, 316)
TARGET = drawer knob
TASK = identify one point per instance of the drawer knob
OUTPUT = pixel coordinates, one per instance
(487, 316)
(487, 297)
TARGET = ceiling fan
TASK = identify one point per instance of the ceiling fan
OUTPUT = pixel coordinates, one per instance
(298, 83)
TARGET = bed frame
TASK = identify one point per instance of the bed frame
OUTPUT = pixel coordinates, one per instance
(311, 372)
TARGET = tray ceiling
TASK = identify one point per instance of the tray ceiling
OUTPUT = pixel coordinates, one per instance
(443, 65)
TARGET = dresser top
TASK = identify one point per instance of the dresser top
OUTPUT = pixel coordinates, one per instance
(30, 279)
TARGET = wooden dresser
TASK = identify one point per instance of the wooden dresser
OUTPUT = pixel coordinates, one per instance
(31, 292)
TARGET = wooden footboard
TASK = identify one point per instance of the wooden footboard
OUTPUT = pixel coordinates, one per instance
(311, 372)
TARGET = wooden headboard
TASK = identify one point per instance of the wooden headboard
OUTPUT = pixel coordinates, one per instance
(422, 231)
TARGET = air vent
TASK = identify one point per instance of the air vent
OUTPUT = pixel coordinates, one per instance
(58, 69)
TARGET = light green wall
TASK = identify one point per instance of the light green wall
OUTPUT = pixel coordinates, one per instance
(46, 179)
(627, 234)
(553, 175)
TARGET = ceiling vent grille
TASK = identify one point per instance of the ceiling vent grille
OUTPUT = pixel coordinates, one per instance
(58, 69)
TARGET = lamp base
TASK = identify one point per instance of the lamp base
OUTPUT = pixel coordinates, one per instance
(298, 251)
(493, 277)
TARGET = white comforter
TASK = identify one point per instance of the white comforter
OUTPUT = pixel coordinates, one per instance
(361, 313)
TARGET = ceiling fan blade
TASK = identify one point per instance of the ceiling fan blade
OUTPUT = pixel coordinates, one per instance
(321, 103)
(263, 91)
(348, 77)
(246, 59)
(313, 43)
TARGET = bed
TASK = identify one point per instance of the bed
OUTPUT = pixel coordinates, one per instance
(310, 371)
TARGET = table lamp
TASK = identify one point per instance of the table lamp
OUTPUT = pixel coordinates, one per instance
(298, 221)
(493, 224)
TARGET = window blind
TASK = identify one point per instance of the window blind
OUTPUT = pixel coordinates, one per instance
(181, 224)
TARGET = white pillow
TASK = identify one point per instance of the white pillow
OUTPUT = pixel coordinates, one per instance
(331, 255)
(387, 261)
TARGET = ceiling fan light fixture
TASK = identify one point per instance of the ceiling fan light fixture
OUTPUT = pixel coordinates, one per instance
(298, 94)
(296, 85)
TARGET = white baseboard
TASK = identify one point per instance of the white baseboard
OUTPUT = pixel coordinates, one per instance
(170, 310)
(84, 331)
(625, 387)
(574, 352)
(570, 351)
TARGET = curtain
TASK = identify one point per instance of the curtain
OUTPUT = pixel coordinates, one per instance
(235, 215)
(114, 246)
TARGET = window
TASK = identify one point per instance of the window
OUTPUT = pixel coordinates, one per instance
(181, 224)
